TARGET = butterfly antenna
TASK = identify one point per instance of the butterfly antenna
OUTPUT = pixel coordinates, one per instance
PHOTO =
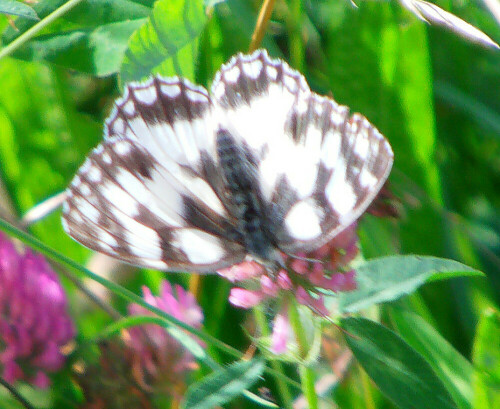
(310, 260)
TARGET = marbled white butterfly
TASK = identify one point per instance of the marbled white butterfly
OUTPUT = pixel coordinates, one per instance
(190, 181)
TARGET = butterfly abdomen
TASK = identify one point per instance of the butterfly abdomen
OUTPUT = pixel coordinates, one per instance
(244, 192)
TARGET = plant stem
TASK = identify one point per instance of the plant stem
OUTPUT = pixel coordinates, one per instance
(286, 396)
(296, 43)
(129, 296)
(16, 394)
(30, 33)
(306, 373)
(260, 27)
(307, 381)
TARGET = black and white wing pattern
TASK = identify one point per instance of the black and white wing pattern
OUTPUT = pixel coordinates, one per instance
(319, 168)
(185, 180)
(150, 193)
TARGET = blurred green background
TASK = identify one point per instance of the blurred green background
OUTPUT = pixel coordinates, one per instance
(435, 96)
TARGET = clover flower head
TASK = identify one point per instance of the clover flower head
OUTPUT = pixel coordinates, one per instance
(160, 361)
(34, 322)
(305, 276)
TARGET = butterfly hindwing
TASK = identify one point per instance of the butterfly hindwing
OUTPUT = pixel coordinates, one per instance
(353, 162)
(319, 168)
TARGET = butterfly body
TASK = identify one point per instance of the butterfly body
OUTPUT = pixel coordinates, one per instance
(255, 223)
(187, 180)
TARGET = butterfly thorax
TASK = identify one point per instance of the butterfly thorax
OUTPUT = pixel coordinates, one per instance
(238, 168)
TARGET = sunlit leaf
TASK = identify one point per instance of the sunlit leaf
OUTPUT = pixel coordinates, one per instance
(96, 51)
(389, 278)
(223, 385)
(400, 372)
(16, 8)
(450, 366)
(167, 43)
(486, 358)
(41, 134)
(91, 38)
(86, 15)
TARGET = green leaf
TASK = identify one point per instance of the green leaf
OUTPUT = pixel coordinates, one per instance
(167, 43)
(486, 358)
(90, 38)
(452, 368)
(86, 15)
(98, 51)
(42, 138)
(389, 278)
(16, 8)
(400, 372)
(223, 385)
(184, 339)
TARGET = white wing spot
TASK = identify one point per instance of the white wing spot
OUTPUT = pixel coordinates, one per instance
(291, 84)
(331, 149)
(76, 217)
(85, 189)
(318, 110)
(170, 90)
(115, 194)
(150, 242)
(339, 113)
(301, 106)
(107, 238)
(339, 191)
(94, 174)
(129, 108)
(118, 126)
(303, 222)
(76, 181)
(87, 209)
(65, 225)
(85, 166)
(106, 158)
(272, 72)
(199, 247)
(147, 95)
(65, 206)
(232, 75)
(361, 147)
(367, 179)
(253, 68)
(195, 96)
(122, 147)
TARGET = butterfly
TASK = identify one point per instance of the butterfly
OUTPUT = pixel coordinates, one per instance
(187, 180)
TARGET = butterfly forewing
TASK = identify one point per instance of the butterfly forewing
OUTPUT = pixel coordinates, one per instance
(156, 192)
(149, 194)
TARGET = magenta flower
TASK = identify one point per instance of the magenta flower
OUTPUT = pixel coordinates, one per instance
(304, 278)
(158, 360)
(34, 322)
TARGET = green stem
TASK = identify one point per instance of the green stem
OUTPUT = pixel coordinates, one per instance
(129, 296)
(115, 288)
(285, 394)
(260, 27)
(307, 379)
(306, 373)
(16, 394)
(296, 42)
(30, 33)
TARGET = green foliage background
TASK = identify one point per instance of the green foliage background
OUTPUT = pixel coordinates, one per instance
(435, 96)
